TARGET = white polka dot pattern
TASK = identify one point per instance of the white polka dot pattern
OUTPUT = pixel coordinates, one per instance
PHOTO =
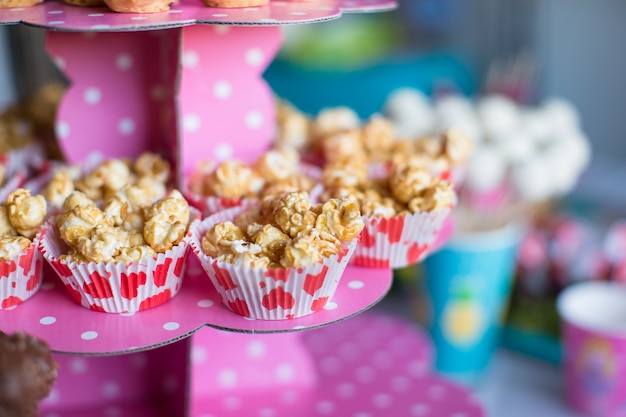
(196, 305)
(324, 372)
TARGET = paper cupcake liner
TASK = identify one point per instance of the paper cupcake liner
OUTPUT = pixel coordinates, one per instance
(117, 287)
(29, 157)
(209, 205)
(20, 278)
(398, 241)
(270, 294)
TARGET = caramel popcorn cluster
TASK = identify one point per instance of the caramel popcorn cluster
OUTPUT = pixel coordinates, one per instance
(125, 230)
(284, 232)
(21, 215)
(137, 183)
(407, 188)
(275, 172)
(339, 135)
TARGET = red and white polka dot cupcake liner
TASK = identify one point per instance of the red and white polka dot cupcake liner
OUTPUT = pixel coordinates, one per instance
(20, 277)
(270, 294)
(118, 287)
(398, 241)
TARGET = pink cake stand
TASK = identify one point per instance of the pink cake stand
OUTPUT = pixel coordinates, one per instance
(52, 315)
(370, 365)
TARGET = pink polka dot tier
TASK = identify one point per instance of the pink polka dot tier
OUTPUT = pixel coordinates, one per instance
(57, 15)
(69, 328)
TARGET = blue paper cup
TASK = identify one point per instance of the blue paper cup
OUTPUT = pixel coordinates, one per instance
(466, 286)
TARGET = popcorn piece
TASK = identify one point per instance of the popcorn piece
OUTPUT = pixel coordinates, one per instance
(293, 126)
(77, 222)
(166, 222)
(26, 213)
(347, 173)
(457, 147)
(116, 211)
(407, 181)
(385, 207)
(272, 241)
(251, 260)
(6, 228)
(153, 166)
(73, 256)
(135, 253)
(133, 222)
(296, 182)
(101, 244)
(233, 179)
(343, 145)
(162, 234)
(109, 176)
(309, 248)
(251, 220)
(278, 164)
(60, 187)
(75, 199)
(13, 246)
(378, 136)
(220, 238)
(438, 197)
(135, 237)
(336, 119)
(136, 198)
(340, 218)
(174, 206)
(293, 213)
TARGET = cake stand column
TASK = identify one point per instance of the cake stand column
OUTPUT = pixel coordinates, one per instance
(226, 109)
(120, 101)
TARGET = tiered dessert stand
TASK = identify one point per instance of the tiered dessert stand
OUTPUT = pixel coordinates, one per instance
(188, 83)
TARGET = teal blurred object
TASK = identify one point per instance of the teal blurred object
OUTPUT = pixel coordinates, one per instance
(467, 285)
(541, 346)
(366, 89)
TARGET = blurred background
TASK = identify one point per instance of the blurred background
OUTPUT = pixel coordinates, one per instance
(565, 48)
(528, 49)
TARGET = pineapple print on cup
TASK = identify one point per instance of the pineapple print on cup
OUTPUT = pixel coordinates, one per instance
(463, 317)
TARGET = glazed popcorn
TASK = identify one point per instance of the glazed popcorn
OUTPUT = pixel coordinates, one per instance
(26, 213)
(293, 214)
(60, 186)
(21, 216)
(232, 179)
(378, 136)
(275, 172)
(165, 223)
(293, 126)
(121, 231)
(295, 233)
(12, 246)
(407, 188)
(343, 145)
(345, 174)
(277, 164)
(333, 120)
(138, 183)
(406, 181)
(340, 218)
